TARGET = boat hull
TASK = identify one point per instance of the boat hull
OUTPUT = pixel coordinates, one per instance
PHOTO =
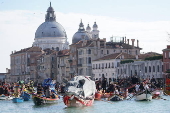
(98, 96)
(26, 96)
(144, 96)
(157, 93)
(116, 98)
(38, 100)
(77, 102)
(17, 100)
(5, 97)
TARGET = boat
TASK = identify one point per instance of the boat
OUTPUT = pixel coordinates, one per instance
(116, 98)
(98, 95)
(40, 100)
(18, 100)
(26, 96)
(145, 95)
(157, 93)
(78, 93)
(107, 95)
(4, 97)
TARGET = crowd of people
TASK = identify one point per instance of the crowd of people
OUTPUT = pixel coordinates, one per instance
(15, 89)
(124, 86)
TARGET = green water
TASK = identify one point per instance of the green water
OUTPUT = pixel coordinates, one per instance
(126, 106)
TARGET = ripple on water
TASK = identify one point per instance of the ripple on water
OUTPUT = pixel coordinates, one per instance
(103, 106)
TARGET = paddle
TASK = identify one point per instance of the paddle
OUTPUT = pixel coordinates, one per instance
(131, 96)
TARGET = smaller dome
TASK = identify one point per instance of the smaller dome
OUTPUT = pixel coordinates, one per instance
(88, 28)
(50, 9)
(80, 36)
(95, 25)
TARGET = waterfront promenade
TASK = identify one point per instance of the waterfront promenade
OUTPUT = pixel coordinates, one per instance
(126, 106)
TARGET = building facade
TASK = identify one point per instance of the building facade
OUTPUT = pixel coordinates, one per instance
(23, 63)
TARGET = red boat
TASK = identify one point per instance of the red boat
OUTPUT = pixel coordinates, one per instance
(75, 101)
(98, 95)
(107, 95)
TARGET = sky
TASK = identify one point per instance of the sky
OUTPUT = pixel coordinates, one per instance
(145, 20)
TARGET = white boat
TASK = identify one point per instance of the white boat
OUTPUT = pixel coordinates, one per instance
(157, 93)
(3, 97)
(145, 95)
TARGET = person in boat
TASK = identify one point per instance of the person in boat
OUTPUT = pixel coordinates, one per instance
(16, 90)
(98, 84)
(145, 85)
(137, 87)
(53, 95)
(47, 92)
(1, 90)
(39, 89)
(116, 91)
(110, 88)
(141, 87)
(6, 91)
(104, 85)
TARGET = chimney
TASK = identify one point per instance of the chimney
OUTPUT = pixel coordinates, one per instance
(168, 46)
(125, 40)
(137, 43)
(133, 40)
(128, 41)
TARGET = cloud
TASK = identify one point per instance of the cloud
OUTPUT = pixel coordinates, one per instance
(18, 29)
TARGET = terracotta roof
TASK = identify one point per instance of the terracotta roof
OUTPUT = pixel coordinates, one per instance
(117, 56)
(34, 49)
(29, 49)
(65, 52)
(149, 54)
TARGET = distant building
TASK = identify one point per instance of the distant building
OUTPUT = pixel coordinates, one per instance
(2, 77)
(87, 46)
(166, 59)
(63, 65)
(23, 64)
(123, 65)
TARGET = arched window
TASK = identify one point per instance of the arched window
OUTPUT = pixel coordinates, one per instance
(158, 68)
(89, 51)
(107, 51)
(153, 68)
(149, 68)
(101, 51)
(89, 60)
(145, 69)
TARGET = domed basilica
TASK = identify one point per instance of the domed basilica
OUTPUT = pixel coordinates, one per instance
(51, 34)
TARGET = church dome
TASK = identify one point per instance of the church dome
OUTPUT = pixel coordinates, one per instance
(81, 34)
(95, 25)
(50, 29)
(88, 28)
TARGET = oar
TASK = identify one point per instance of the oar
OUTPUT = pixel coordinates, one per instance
(131, 96)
